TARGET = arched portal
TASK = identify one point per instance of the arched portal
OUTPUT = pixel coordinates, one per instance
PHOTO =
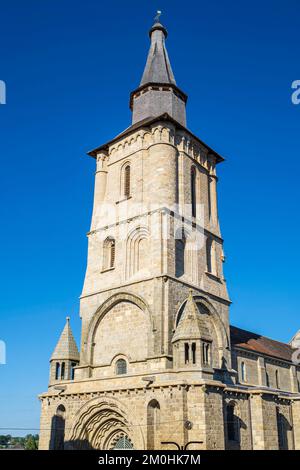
(58, 429)
(103, 424)
(153, 422)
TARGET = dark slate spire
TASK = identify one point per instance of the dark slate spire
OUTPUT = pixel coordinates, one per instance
(158, 93)
(158, 68)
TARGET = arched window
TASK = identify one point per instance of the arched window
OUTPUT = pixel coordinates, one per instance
(63, 368)
(153, 421)
(282, 429)
(112, 253)
(180, 243)
(58, 429)
(232, 423)
(243, 372)
(121, 367)
(193, 191)
(267, 379)
(109, 253)
(127, 181)
(57, 371)
(142, 253)
(277, 381)
(209, 182)
(211, 256)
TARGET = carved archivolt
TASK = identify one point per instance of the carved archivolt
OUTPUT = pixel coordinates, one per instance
(100, 423)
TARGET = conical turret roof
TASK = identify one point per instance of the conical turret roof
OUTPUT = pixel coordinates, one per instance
(192, 324)
(66, 348)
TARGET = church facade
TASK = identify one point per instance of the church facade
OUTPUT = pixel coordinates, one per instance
(159, 364)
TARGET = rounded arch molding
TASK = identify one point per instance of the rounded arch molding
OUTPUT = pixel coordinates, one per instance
(100, 422)
(105, 307)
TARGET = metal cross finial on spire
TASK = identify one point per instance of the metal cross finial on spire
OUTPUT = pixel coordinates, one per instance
(157, 17)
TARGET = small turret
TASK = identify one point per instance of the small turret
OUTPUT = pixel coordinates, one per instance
(192, 340)
(65, 356)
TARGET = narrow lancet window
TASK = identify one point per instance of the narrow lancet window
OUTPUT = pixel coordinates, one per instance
(193, 191)
(194, 352)
(109, 253)
(127, 181)
(57, 371)
(186, 353)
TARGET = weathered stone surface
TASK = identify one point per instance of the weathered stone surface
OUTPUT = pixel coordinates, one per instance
(149, 290)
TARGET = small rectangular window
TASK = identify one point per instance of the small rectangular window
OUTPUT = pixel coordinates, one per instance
(186, 352)
(243, 372)
(194, 352)
(57, 370)
(63, 371)
(206, 353)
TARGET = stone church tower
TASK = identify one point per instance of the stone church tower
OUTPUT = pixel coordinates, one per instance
(156, 360)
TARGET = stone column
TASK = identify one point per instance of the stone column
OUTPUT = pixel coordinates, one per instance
(181, 158)
(214, 436)
(257, 422)
(100, 186)
(213, 193)
(296, 422)
(45, 425)
(264, 422)
(162, 183)
(294, 379)
(261, 368)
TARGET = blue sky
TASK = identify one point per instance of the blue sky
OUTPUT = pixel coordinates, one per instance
(69, 67)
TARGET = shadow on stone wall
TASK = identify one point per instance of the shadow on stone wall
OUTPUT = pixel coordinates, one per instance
(78, 444)
(57, 433)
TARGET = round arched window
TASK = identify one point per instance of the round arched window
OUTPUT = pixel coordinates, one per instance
(121, 367)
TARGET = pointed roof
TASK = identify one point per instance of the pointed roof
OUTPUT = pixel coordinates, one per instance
(192, 324)
(257, 343)
(66, 347)
(158, 93)
(158, 68)
(295, 341)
